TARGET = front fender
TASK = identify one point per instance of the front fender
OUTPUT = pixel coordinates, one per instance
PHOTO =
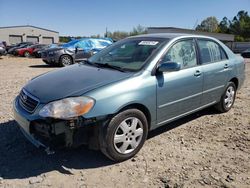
(134, 90)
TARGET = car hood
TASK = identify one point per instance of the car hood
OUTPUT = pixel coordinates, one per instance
(74, 80)
(53, 49)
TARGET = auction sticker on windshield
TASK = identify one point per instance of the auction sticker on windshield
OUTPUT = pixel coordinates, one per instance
(149, 43)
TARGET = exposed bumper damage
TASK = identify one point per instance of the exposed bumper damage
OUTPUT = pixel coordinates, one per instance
(60, 133)
(51, 134)
(54, 134)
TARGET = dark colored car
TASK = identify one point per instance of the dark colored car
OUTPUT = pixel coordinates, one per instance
(13, 49)
(74, 51)
(246, 53)
(112, 100)
(28, 51)
(2, 48)
(37, 52)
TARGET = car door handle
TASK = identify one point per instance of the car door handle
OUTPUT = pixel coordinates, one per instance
(197, 73)
(226, 66)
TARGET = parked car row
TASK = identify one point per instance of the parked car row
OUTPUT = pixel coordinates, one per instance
(26, 49)
(63, 55)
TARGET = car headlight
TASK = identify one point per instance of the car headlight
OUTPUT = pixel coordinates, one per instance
(67, 108)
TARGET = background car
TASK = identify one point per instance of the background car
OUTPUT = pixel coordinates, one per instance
(74, 51)
(246, 53)
(2, 47)
(28, 51)
(13, 49)
(37, 52)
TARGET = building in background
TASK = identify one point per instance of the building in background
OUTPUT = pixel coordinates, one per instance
(226, 38)
(28, 33)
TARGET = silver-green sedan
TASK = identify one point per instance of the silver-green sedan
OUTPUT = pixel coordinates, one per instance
(112, 100)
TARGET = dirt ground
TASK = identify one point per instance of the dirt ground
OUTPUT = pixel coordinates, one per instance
(205, 149)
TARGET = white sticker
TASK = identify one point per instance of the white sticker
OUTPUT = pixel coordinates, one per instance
(148, 43)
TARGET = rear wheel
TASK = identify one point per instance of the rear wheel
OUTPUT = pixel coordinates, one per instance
(125, 135)
(26, 54)
(65, 60)
(227, 99)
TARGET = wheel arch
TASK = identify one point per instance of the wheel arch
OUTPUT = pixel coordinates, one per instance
(140, 107)
(235, 81)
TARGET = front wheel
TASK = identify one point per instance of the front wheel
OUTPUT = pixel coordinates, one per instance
(65, 60)
(125, 135)
(26, 54)
(227, 99)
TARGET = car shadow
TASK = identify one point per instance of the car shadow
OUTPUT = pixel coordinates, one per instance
(169, 126)
(42, 66)
(20, 159)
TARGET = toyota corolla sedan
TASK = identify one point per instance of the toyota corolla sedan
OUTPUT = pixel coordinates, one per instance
(112, 100)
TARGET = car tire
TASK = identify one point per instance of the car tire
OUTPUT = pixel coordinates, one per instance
(227, 99)
(26, 54)
(124, 135)
(65, 60)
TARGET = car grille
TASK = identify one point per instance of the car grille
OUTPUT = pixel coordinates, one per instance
(28, 102)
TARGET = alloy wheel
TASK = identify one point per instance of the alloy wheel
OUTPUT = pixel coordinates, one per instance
(229, 97)
(66, 60)
(128, 135)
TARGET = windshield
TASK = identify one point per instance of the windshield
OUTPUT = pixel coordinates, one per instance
(70, 44)
(128, 54)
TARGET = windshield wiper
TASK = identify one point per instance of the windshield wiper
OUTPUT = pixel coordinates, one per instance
(86, 61)
(110, 66)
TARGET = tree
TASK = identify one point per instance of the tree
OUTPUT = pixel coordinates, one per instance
(210, 24)
(223, 26)
(240, 26)
(138, 30)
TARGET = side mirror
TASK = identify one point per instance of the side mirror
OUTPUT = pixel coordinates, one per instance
(169, 66)
(77, 48)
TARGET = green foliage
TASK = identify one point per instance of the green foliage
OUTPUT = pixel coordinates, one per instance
(138, 30)
(116, 35)
(64, 39)
(210, 24)
(238, 26)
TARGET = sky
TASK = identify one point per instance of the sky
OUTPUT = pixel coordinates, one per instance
(91, 17)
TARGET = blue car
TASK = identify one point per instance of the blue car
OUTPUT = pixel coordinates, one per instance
(74, 51)
(112, 100)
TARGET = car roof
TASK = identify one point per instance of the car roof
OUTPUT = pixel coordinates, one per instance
(170, 35)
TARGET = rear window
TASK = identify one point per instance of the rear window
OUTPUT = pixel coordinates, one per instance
(210, 51)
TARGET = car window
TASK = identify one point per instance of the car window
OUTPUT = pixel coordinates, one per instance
(85, 44)
(70, 44)
(182, 52)
(129, 54)
(210, 51)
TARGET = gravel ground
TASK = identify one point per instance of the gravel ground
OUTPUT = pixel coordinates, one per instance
(205, 149)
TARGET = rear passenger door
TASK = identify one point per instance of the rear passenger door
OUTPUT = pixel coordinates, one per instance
(215, 68)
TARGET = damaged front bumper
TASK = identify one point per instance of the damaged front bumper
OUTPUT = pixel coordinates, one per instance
(52, 134)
